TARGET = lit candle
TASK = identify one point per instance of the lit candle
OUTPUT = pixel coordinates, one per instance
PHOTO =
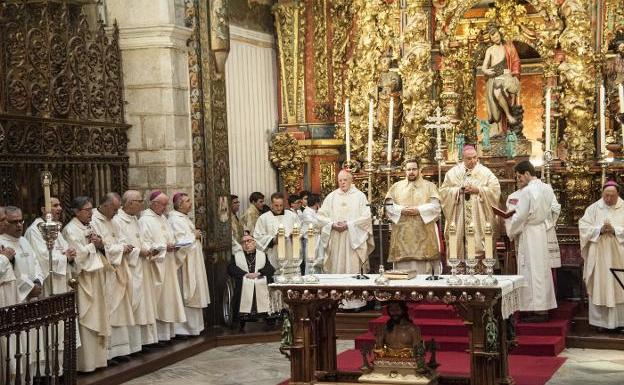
(390, 116)
(348, 132)
(296, 242)
(470, 240)
(603, 145)
(547, 131)
(369, 154)
(311, 245)
(281, 243)
(452, 241)
(46, 193)
(489, 249)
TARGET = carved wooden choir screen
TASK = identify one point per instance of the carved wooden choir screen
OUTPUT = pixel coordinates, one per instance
(61, 104)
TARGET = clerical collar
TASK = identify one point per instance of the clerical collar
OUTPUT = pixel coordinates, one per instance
(276, 214)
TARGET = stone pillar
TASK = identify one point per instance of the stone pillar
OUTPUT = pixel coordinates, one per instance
(153, 41)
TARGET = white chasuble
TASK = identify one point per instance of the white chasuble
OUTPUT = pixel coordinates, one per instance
(61, 270)
(25, 265)
(93, 313)
(265, 232)
(600, 253)
(346, 251)
(157, 233)
(8, 290)
(194, 280)
(250, 286)
(477, 210)
(528, 226)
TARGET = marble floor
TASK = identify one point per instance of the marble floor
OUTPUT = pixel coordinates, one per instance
(262, 364)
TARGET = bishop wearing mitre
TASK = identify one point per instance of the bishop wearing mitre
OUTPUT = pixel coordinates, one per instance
(91, 266)
(126, 223)
(266, 233)
(193, 270)
(414, 210)
(158, 235)
(468, 193)
(118, 279)
(602, 248)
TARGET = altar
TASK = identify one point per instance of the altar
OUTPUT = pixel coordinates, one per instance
(313, 308)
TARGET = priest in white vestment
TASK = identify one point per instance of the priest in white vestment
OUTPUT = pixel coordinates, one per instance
(266, 230)
(8, 288)
(528, 226)
(602, 248)
(126, 223)
(414, 210)
(194, 280)
(158, 235)
(118, 280)
(309, 220)
(252, 272)
(468, 193)
(91, 267)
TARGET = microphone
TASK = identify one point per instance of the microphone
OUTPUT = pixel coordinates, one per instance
(433, 277)
(361, 274)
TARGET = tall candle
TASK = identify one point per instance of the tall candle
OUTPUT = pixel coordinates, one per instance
(489, 245)
(296, 243)
(369, 154)
(390, 116)
(348, 132)
(46, 193)
(281, 243)
(603, 148)
(547, 131)
(470, 240)
(452, 241)
(311, 245)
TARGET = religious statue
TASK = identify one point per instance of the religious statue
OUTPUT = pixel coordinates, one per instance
(399, 353)
(459, 144)
(389, 87)
(501, 66)
(485, 134)
(615, 77)
(510, 144)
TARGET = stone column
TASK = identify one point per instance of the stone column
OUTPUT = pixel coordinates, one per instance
(153, 41)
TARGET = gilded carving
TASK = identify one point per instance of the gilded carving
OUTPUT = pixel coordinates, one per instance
(321, 75)
(328, 177)
(341, 13)
(290, 27)
(288, 157)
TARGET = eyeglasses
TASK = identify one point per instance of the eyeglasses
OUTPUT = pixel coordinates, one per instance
(86, 209)
(16, 222)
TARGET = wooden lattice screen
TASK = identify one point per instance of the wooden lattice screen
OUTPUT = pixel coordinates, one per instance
(61, 104)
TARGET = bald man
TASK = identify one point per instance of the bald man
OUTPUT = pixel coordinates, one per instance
(468, 193)
(158, 237)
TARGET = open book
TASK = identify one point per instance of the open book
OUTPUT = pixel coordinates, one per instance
(503, 214)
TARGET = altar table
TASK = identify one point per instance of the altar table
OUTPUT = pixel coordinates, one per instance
(313, 311)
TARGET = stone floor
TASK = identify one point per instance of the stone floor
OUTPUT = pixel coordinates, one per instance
(262, 364)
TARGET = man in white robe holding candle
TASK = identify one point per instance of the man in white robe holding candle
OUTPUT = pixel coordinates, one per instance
(602, 247)
(126, 223)
(414, 210)
(158, 236)
(309, 220)
(119, 279)
(468, 193)
(193, 270)
(91, 266)
(529, 225)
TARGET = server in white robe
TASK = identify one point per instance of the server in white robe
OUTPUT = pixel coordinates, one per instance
(602, 248)
(309, 219)
(157, 234)
(91, 267)
(265, 233)
(126, 223)
(528, 225)
(118, 280)
(194, 280)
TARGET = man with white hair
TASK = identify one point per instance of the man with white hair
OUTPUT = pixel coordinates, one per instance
(158, 236)
(602, 247)
(143, 303)
(468, 193)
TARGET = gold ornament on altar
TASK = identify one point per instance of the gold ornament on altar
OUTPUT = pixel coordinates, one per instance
(288, 157)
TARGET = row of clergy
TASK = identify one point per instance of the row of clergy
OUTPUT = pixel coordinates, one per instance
(469, 195)
(140, 274)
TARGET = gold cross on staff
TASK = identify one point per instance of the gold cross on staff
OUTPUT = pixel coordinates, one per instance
(439, 122)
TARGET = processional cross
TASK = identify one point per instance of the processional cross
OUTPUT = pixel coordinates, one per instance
(439, 122)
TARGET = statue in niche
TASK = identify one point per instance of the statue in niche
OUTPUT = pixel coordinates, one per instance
(485, 135)
(615, 76)
(460, 140)
(501, 66)
(510, 144)
(389, 86)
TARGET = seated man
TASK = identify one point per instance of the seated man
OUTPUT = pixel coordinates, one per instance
(252, 272)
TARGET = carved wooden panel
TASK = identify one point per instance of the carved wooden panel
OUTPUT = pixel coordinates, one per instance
(61, 104)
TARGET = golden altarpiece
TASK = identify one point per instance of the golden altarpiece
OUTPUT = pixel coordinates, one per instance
(430, 53)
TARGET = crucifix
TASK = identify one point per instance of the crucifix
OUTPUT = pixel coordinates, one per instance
(439, 123)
